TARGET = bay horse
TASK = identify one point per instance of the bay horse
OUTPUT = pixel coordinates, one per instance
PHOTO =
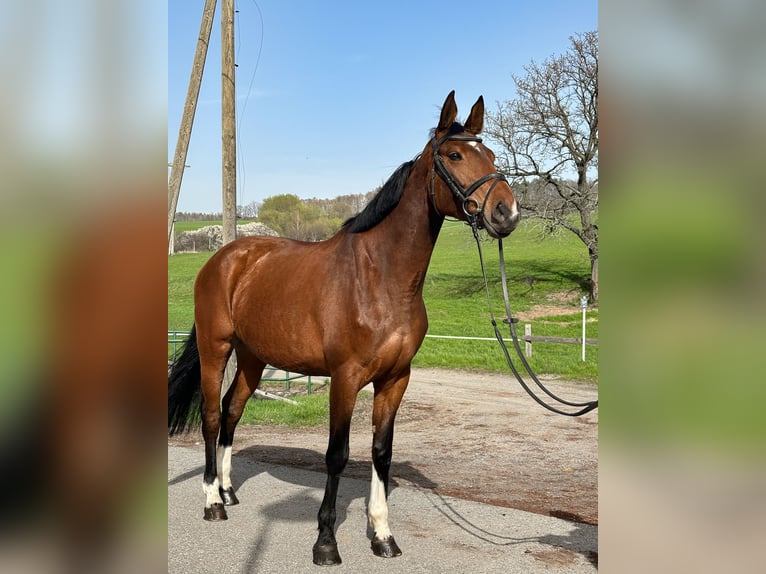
(349, 307)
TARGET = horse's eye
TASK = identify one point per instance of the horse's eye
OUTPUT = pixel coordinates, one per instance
(455, 156)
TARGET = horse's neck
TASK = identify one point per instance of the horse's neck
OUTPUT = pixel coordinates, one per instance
(406, 238)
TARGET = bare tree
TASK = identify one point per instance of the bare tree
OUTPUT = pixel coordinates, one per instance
(249, 211)
(549, 133)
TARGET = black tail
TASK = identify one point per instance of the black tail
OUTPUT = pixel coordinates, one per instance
(184, 389)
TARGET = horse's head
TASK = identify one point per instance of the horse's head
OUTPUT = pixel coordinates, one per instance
(468, 185)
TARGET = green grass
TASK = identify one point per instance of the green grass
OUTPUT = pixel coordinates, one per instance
(182, 270)
(547, 358)
(311, 410)
(539, 272)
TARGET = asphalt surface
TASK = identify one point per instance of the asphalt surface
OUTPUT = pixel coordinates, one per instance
(273, 528)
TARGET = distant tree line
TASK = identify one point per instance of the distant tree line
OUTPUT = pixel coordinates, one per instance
(293, 217)
(249, 211)
(197, 216)
(310, 219)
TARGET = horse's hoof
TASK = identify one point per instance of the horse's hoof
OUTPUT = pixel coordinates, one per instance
(326, 555)
(215, 512)
(228, 496)
(386, 548)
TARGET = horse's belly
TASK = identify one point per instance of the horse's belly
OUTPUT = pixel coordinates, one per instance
(283, 338)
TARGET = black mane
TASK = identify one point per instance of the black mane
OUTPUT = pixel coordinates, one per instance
(383, 203)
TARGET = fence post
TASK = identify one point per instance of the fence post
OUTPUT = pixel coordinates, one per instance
(584, 305)
(528, 344)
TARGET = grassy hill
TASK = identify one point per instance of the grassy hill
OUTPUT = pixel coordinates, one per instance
(541, 274)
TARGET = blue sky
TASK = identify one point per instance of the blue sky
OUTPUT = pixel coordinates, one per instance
(345, 91)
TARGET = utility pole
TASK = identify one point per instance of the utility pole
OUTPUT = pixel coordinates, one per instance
(172, 240)
(184, 132)
(229, 145)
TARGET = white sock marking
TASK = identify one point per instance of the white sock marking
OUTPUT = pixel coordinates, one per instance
(223, 463)
(212, 496)
(377, 510)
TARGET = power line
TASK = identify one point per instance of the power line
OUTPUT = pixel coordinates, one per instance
(241, 154)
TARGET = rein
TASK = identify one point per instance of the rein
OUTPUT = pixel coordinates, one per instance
(473, 220)
(586, 406)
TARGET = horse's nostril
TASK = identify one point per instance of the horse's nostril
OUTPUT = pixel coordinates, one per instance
(505, 218)
(502, 211)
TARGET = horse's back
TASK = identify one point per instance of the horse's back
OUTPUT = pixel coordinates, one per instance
(231, 262)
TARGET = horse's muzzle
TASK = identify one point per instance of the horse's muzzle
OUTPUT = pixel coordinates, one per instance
(502, 220)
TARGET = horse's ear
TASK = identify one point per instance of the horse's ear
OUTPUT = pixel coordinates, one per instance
(475, 121)
(449, 112)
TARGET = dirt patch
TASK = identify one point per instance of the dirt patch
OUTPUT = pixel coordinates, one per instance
(559, 303)
(554, 556)
(469, 435)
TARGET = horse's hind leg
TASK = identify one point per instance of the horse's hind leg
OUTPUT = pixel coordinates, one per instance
(213, 359)
(388, 395)
(249, 371)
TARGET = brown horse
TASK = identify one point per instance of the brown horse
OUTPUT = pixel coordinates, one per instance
(350, 308)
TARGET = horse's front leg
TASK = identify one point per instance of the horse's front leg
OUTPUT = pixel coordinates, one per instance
(342, 400)
(388, 395)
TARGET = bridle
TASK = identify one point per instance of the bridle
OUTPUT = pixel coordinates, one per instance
(463, 194)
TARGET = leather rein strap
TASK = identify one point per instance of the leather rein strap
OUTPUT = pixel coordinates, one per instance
(583, 407)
